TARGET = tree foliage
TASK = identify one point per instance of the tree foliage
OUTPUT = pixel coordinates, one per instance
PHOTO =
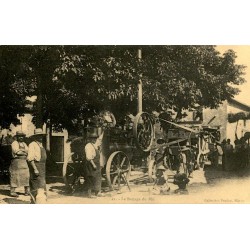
(15, 85)
(72, 83)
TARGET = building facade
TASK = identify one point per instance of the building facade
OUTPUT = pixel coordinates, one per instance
(219, 117)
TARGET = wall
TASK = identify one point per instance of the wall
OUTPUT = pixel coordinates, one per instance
(28, 128)
(221, 118)
(218, 117)
(242, 126)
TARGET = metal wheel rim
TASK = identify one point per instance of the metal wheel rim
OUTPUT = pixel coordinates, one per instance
(137, 134)
(111, 176)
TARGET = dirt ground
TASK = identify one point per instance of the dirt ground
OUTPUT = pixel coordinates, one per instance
(209, 186)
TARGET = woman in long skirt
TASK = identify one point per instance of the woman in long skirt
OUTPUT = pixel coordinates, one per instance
(19, 170)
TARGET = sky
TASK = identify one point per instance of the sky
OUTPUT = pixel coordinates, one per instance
(243, 57)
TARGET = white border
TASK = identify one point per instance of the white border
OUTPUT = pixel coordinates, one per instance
(124, 22)
(124, 226)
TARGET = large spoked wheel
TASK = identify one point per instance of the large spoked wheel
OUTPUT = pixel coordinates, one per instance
(71, 173)
(143, 131)
(201, 159)
(118, 170)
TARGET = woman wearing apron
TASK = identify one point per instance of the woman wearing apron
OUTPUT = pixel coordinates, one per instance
(19, 171)
(93, 167)
(37, 158)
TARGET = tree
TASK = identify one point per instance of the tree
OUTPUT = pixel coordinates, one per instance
(14, 85)
(73, 83)
(188, 75)
(176, 77)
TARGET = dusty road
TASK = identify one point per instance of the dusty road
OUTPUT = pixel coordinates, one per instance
(211, 186)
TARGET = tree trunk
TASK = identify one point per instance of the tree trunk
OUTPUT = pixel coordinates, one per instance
(39, 114)
(48, 136)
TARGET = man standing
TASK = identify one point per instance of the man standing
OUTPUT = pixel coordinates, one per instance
(19, 171)
(93, 166)
(228, 151)
(37, 158)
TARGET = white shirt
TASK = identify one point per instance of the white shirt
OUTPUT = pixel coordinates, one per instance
(34, 152)
(15, 148)
(90, 151)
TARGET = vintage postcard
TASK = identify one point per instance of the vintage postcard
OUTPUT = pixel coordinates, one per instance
(122, 123)
(105, 124)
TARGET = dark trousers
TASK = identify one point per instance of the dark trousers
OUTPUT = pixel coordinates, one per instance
(94, 179)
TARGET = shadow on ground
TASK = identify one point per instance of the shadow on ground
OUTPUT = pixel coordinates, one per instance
(4, 192)
(15, 201)
(214, 175)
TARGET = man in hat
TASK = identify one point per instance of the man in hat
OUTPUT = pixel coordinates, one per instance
(162, 180)
(93, 166)
(19, 171)
(37, 157)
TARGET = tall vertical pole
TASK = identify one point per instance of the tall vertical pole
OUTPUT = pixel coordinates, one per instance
(139, 108)
(48, 136)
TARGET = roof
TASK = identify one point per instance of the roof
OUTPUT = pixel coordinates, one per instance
(239, 105)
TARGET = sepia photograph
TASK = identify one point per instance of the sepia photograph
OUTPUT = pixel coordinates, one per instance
(124, 124)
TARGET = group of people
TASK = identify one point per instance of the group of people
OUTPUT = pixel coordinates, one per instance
(28, 166)
(234, 157)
